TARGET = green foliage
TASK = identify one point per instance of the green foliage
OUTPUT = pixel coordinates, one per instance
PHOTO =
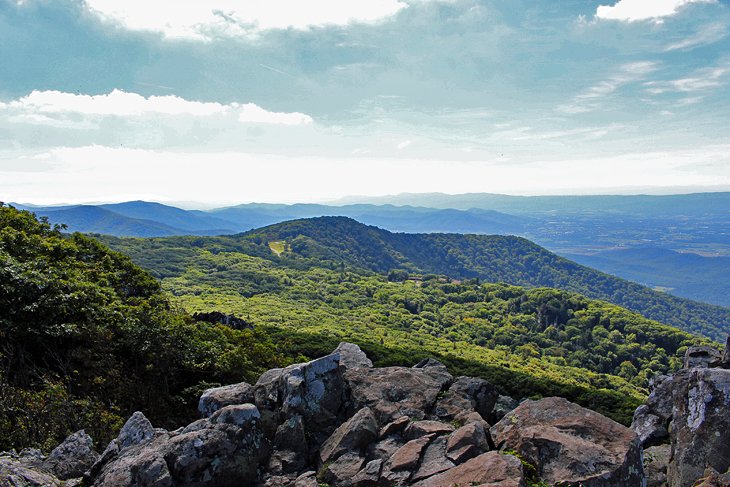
(87, 337)
(529, 342)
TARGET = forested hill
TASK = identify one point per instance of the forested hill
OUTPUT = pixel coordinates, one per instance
(514, 260)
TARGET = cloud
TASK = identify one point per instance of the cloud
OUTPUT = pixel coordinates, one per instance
(637, 10)
(701, 80)
(56, 107)
(593, 98)
(708, 34)
(206, 19)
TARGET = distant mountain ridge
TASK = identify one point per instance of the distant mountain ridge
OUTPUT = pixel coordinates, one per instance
(513, 260)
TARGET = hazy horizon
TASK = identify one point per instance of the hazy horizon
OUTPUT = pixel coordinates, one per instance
(228, 101)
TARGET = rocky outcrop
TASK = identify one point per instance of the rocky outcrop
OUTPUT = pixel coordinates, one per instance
(571, 445)
(700, 426)
(73, 457)
(689, 412)
(338, 421)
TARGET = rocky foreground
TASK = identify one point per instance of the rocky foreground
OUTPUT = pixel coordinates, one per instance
(338, 421)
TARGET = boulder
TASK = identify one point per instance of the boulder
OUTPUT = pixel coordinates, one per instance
(340, 472)
(504, 405)
(73, 457)
(702, 356)
(656, 460)
(399, 468)
(223, 450)
(571, 445)
(213, 399)
(369, 475)
(650, 428)
(352, 357)
(465, 395)
(416, 429)
(433, 460)
(701, 425)
(313, 390)
(725, 362)
(490, 469)
(353, 435)
(291, 451)
(392, 392)
(467, 442)
(394, 427)
(136, 430)
(25, 470)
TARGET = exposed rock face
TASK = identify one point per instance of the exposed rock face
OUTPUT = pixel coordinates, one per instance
(651, 420)
(214, 399)
(571, 445)
(24, 470)
(467, 394)
(700, 426)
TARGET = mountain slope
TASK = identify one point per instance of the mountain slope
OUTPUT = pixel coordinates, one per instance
(508, 259)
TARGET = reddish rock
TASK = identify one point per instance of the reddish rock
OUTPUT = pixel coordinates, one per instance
(489, 469)
(416, 429)
(433, 460)
(571, 445)
(468, 441)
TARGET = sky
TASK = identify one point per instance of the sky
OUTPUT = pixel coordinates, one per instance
(233, 101)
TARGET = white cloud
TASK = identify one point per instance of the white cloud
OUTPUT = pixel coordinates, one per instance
(64, 109)
(636, 10)
(701, 80)
(708, 34)
(594, 97)
(403, 144)
(205, 19)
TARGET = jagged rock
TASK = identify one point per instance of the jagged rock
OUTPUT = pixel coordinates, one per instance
(222, 450)
(701, 425)
(341, 471)
(394, 427)
(502, 406)
(416, 429)
(369, 475)
(649, 427)
(384, 449)
(399, 467)
(570, 444)
(467, 394)
(73, 457)
(231, 321)
(468, 441)
(352, 357)
(213, 399)
(136, 430)
(725, 363)
(313, 390)
(389, 391)
(428, 362)
(489, 469)
(656, 459)
(290, 447)
(353, 435)
(433, 460)
(14, 472)
(702, 356)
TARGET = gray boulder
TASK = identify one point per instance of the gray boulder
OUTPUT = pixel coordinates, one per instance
(352, 357)
(136, 430)
(352, 436)
(571, 445)
(213, 399)
(701, 425)
(392, 392)
(656, 460)
(725, 363)
(467, 394)
(702, 356)
(223, 450)
(73, 457)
